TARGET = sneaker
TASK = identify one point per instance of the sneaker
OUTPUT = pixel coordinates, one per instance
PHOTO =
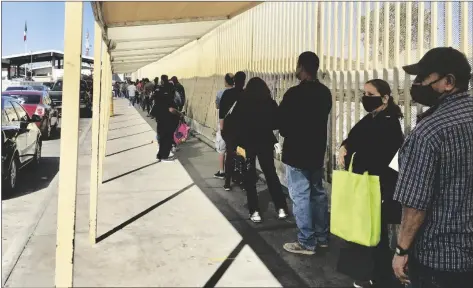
(171, 154)
(173, 150)
(363, 284)
(227, 187)
(282, 214)
(169, 159)
(323, 244)
(219, 175)
(297, 248)
(255, 217)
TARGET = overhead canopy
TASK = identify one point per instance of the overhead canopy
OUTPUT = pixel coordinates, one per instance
(140, 33)
(40, 56)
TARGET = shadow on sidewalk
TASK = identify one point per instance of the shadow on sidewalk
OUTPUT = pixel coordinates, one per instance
(122, 151)
(31, 180)
(141, 214)
(280, 269)
(124, 127)
(121, 137)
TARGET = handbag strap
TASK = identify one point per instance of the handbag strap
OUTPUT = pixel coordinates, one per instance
(350, 168)
(231, 109)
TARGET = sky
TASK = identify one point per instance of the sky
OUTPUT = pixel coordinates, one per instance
(45, 22)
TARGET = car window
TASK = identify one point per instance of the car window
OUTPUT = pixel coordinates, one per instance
(16, 88)
(20, 111)
(57, 86)
(5, 120)
(10, 112)
(29, 99)
(38, 88)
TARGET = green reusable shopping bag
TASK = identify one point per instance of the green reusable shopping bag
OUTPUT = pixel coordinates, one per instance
(356, 207)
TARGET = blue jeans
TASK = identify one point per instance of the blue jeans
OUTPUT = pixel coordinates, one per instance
(310, 205)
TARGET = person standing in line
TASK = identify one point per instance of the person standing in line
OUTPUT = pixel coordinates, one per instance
(229, 97)
(149, 89)
(182, 92)
(116, 89)
(124, 92)
(167, 116)
(256, 115)
(372, 143)
(303, 118)
(139, 91)
(219, 142)
(131, 93)
(435, 185)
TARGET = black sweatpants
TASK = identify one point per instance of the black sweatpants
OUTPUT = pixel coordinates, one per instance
(166, 138)
(229, 162)
(266, 161)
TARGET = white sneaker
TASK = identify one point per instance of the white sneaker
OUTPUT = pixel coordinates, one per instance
(169, 159)
(282, 214)
(255, 217)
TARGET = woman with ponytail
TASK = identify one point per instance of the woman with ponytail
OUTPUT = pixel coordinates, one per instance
(374, 141)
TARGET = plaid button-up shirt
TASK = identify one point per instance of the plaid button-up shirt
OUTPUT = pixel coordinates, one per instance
(436, 176)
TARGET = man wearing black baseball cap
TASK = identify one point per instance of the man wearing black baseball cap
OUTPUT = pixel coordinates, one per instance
(435, 184)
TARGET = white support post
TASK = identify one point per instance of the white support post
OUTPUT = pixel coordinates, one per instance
(66, 214)
(94, 175)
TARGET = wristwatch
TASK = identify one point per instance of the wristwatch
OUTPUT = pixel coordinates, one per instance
(400, 251)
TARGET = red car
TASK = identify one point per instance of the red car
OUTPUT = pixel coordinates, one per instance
(38, 103)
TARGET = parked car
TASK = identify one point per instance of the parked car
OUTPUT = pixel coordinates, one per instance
(43, 88)
(38, 103)
(21, 142)
(84, 97)
(19, 88)
(48, 84)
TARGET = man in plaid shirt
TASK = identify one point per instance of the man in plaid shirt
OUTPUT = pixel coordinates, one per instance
(435, 184)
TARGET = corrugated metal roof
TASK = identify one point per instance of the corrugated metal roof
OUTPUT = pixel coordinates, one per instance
(140, 33)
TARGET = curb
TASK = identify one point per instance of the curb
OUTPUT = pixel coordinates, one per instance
(19, 243)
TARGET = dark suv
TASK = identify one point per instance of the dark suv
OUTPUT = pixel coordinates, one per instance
(85, 97)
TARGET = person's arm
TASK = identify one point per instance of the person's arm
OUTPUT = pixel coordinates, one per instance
(175, 111)
(283, 115)
(414, 190)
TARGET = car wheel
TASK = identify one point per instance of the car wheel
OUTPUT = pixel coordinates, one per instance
(37, 153)
(12, 176)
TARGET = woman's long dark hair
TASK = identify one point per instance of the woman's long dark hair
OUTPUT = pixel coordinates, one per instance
(256, 91)
(384, 89)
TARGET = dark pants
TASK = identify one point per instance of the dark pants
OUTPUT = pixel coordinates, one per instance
(383, 273)
(266, 161)
(370, 263)
(229, 162)
(166, 139)
(425, 277)
(148, 104)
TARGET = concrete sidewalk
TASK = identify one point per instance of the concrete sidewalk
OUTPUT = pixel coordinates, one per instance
(169, 224)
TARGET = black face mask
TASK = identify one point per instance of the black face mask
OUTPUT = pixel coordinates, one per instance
(371, 103)
(425, 95)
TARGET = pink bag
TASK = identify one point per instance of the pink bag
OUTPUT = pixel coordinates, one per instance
(181, 134)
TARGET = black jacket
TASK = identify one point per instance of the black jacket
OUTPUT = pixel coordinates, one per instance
(256, 122)
(303, 118)
(375, 141)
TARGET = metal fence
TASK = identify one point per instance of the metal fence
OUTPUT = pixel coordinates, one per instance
(356, 41)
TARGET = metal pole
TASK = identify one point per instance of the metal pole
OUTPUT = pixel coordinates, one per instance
(69, 146)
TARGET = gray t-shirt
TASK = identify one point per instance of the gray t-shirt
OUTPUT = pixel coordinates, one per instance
(219, 97)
